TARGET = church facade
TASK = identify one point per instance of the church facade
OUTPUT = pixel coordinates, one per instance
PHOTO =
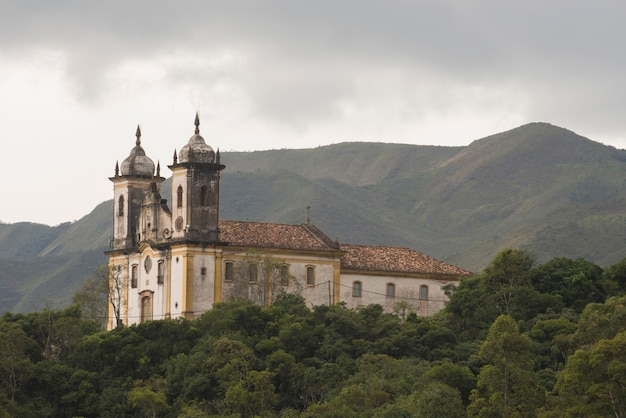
(177, 261)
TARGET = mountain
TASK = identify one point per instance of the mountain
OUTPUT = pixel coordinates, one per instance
(536, 187)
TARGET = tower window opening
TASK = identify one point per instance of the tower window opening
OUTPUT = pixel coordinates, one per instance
(204, 196)
(179, 197)
(120, 206)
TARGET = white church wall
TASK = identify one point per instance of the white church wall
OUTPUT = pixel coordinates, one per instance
(407, 292)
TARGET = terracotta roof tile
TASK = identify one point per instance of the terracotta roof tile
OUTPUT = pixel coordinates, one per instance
(356, 257)
(394, 259)
(271, 235)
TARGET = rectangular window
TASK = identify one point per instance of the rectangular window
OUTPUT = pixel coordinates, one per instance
(310, 276)
(356, 289)
(284, 275)
(252, 273)
(229, 272)
(423, 292)
(391, 290)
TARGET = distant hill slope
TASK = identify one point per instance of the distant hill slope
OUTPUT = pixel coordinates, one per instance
(538, 187)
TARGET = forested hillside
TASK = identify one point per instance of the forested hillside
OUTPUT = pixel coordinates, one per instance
(519, 339)
(537, 187)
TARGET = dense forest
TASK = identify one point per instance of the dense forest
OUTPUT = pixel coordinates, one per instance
(518, 339)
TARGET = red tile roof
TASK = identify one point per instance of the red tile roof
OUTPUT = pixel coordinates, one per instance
(272, 235)
(394, 259)
(356, 257)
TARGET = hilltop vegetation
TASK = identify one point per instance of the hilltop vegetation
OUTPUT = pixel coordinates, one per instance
(518, 339)
(537, 187)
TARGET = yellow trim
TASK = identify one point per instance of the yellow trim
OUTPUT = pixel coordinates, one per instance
(187, 308)
(337, 281)
(168, 287)
(217, 296)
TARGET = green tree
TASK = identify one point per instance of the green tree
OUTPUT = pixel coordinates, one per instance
(456, 376)
(93, 296)
(576, 282)
(507, 386)
(15, 365)
(253, 395)
(592, 383)
(148, 399)
(438, 400)
(615, 278)
(506, 274)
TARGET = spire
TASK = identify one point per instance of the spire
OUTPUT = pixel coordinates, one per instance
(138, 135)
(217, 156)
(158, 173)
(117, 169)
(197, 123)
(175, 157)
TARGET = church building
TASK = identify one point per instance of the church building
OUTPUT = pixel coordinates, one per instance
(177, 261)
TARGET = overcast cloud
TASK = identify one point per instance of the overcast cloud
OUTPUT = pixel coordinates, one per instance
(76, 77)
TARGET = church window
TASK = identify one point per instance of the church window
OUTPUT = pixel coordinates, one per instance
(391, 291)
(423, 292)
(120, 206)
(310, 276)
(146, 308)
(253, 273)
(357, 288)
(179, 197)
(229, 271)
(204, 196)
(284, 275)
(160, 272)
(133, 276)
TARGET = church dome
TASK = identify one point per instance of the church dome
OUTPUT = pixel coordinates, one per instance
(137, 163)
(196, 150)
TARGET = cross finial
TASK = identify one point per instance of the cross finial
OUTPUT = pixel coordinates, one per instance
(308, 213)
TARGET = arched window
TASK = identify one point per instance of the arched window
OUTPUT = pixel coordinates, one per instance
(133, 276)
(391, 291)
(179, 197)
(204, 196)
(310, 276)
(160, 272)
(229, 271)
(356, 289)
(423, 292)
(252, 273)
(120, 206)
(146, 308)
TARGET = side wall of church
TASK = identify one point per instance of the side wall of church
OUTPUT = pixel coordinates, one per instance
(309, 275)
(422, 294)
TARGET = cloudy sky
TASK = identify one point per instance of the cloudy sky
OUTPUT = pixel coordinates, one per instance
(77, 77)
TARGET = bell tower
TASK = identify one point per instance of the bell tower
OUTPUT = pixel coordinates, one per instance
(196, 190)
(129, 186)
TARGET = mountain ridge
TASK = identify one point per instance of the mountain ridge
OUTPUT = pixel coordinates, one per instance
(538, 187)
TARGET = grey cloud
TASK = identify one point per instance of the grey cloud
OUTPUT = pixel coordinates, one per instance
(303, 57)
